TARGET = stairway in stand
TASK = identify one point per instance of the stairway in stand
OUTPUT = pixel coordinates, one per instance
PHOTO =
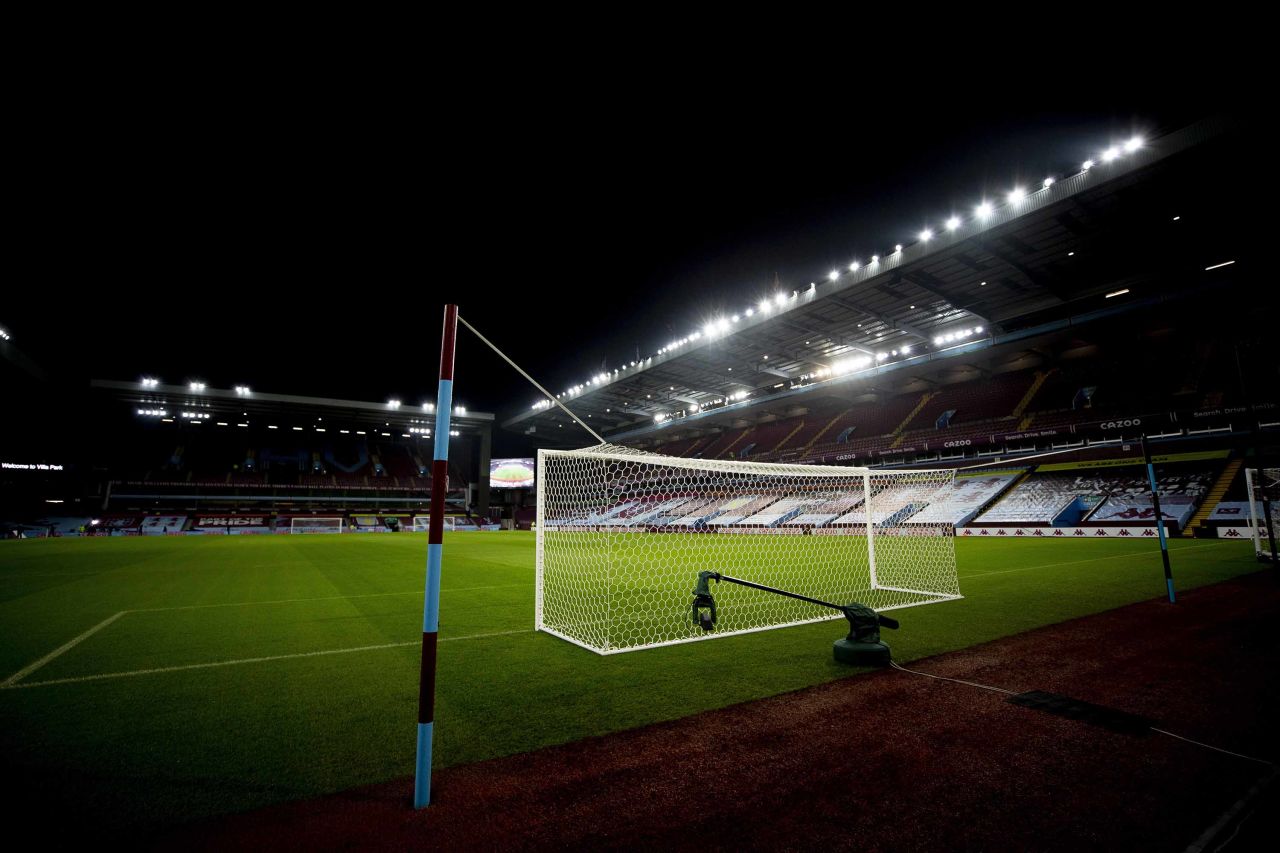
(1198, 523)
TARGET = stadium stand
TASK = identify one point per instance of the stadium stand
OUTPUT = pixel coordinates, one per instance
(863, 427)
(63, 525)
(765, 439)
(1107, 494)
(158, 525)
(815, 426)
(973, 401)
(720, 446)
(215, 460)
(969, 495)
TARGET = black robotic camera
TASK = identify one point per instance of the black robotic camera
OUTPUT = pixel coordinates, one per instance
(862, 646)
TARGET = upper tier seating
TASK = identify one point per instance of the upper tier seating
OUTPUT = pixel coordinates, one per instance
(994, 397)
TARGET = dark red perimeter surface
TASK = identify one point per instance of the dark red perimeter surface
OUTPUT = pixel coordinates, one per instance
(886, 761)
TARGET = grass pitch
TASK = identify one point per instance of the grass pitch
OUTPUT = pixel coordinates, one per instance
(165, 679)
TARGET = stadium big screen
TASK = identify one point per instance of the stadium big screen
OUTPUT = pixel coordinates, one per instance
(511, 473)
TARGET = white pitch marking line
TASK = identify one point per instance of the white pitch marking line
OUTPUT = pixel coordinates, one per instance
(1093, 560)
(321, 598)
(62, 649)
(184, 667)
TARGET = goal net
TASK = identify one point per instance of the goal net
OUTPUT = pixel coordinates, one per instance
(1264, 492)
(623, 534)
(315, 525)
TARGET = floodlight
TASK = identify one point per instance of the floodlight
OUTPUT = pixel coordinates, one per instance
(977, 330)
(875, 259)
(906, 350)
(1110, 154)
(1133, 144)
(953, 223)
(833, 275)
(897, 248)
(853, 267)
(1086, 165)
(1048, 182)
(779, 299)
(926, 235)
(1016, 195)
(984, 210)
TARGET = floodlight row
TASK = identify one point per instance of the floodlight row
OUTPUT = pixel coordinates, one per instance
(720, 326)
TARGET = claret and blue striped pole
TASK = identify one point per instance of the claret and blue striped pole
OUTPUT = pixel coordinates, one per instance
(1155, 505)
(431, 604)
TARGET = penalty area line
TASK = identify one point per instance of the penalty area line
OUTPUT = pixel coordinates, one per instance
(60, 650)
(10, 685)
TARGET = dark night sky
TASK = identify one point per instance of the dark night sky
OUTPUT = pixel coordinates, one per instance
(305, 243)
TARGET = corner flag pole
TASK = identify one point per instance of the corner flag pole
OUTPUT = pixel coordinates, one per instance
(435, 538)
(1155, 503)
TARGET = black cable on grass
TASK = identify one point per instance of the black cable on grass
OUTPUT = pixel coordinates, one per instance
(895, 665)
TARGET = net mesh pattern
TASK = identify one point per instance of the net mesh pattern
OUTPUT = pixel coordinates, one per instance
(622, 535)
(1263, 488)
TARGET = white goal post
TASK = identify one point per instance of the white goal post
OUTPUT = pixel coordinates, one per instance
(622, 535)
(315, 525)
(1263, 490)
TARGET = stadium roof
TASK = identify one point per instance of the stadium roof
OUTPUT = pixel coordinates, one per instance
(240, 405)
(1147, 221)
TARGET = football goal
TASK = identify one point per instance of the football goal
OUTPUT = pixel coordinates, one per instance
(422, 523)
(1264, 510)
(315, 525)
(622, 535)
